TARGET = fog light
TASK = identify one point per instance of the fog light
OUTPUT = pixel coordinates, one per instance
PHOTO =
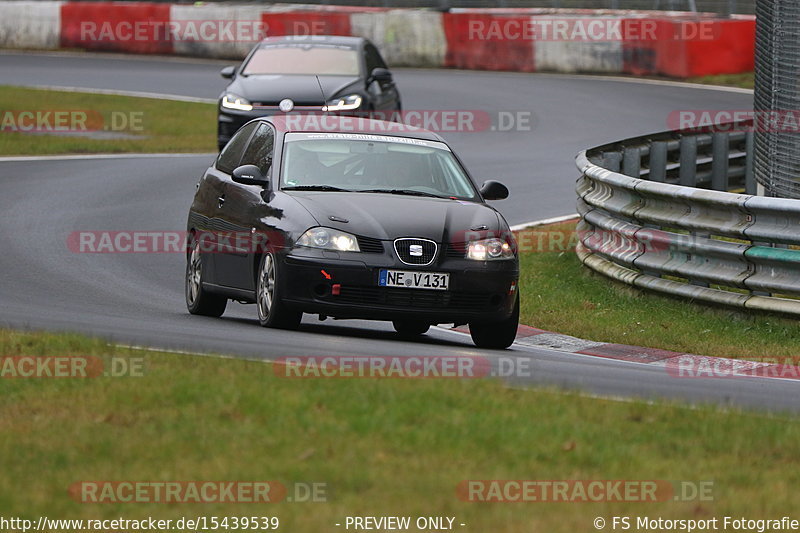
(321, 289)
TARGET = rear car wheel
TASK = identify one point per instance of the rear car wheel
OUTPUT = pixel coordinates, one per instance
(496, 335)
(272, 313)
(198, 300)
(410, 328)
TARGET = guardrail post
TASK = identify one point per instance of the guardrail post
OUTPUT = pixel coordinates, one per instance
(612, 161)
(750, 184)
(688, 171)
(720, 148)
(632, 162)
(658, 161)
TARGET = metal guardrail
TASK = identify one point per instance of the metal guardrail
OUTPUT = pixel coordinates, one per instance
(676, 213)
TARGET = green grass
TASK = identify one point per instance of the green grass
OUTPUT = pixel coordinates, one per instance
(383, 447)
(559, 294)
(150, 125)
(745, 80)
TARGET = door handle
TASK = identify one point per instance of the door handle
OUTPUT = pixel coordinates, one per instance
(221, 200)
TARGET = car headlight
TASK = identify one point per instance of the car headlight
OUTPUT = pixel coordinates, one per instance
(231, 101)
(329, 239)
(489, 250)
(345, 103)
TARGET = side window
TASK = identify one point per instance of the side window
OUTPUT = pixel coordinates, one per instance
(232, 153)
(373, 58)
(259, 151)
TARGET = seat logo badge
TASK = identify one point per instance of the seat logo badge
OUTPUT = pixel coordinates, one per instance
(415, 250)
(286, 105)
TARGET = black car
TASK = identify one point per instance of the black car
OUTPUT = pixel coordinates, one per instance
(351, 218)
(312, 74)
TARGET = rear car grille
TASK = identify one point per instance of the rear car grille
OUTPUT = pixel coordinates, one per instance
(417, 298)
(369, 245)
(415, 251)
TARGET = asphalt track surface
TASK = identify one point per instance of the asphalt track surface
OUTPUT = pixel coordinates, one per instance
(138, 298)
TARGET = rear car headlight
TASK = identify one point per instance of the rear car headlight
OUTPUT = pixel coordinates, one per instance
(344, 103)
(489, 250)
(329, 239)
(232, 101)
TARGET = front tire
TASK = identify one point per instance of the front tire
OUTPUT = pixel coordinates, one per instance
(496, 335)
(198, 300)
(272, 313)
(410, 328)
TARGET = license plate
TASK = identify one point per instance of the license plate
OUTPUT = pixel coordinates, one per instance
(414, 280)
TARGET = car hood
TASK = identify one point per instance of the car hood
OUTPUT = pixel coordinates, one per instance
(272, 88)
(387, 216)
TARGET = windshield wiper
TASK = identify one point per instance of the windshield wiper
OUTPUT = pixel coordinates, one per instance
(404, 191)
(315, 188)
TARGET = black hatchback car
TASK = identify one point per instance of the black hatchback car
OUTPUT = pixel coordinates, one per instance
(310, 74)
(351, 218)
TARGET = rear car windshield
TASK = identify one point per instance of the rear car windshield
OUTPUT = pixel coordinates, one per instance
(374, 163)
(304, 59)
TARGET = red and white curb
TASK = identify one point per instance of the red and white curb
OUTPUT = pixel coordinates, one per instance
(676, 364)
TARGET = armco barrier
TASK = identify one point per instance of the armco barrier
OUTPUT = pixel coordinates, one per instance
(675, 43)
(30, 24)
(470, 44)
(651, 218)
(139, 28)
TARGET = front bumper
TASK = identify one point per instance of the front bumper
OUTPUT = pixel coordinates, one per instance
(482, 292)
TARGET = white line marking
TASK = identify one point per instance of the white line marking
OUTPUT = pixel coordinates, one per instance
(115, 92)
(554, 220)
(118, 56)
(669, 83)
(183, 352)
(620, 78)
(17, 159)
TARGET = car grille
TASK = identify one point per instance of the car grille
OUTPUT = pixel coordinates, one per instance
(406, 249)
(275, 106)
(369, 245)
(456, 250)
(417, 298)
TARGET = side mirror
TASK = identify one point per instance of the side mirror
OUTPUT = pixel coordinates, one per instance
(494, 190)
(227, 72)
(381, 75)
(249, 175)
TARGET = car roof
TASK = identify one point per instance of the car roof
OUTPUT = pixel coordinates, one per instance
(345, 124)
(316, 39)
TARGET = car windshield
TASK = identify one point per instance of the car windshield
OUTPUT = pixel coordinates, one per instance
(373, 163)
(303, 59)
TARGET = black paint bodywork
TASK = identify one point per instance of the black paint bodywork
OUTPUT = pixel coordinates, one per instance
(479, 290)
(268, 91)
